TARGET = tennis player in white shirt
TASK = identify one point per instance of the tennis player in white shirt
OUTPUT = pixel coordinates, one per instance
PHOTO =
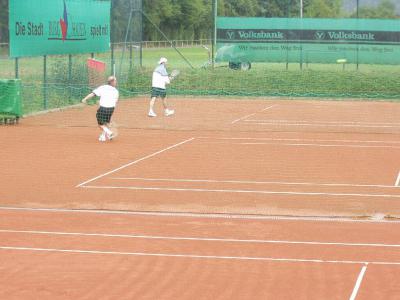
(108, 100)
(159, 81)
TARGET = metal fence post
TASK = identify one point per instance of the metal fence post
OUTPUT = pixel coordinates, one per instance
(112, 59)
(45, 104)
(130, 57)
(70, 76)
(358, 6)
(16, 68)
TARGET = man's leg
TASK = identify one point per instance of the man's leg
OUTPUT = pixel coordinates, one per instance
(151, 108)
(165, 103)
(167, 111)
(106, 129)
(102, 137)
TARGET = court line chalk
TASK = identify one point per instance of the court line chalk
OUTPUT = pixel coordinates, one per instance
(195, 256)
(135, 162)
(358, 282)
(242, 191)
(248, 116)
(200, 239)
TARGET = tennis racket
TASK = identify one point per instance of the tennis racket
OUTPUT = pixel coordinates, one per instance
(174, 74)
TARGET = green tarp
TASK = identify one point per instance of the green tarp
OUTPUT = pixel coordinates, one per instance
(10, 97)
(364, 41)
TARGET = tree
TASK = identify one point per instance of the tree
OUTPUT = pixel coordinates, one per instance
(323, 8)
(278, 8)
(385, 10)
(3, 21)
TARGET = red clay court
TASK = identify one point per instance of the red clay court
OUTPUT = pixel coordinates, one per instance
(228, 199)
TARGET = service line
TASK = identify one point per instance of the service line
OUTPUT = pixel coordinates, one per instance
(195, 256)
(200, 239)
(265, 192)
(248, 116)
(175, 180)
(135, 162)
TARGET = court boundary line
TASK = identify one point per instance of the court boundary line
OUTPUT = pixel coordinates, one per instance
(282, 121)
(297, 140)
(264, 192)
(358, 282)
(195, 256)
(175, 214)
(256, 182)
(245, 117)
(397, 183)
(199, 239)
(136, 161)
(320, 145)
(322, 125)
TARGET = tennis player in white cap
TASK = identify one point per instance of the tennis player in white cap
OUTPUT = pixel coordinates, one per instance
(159, 87)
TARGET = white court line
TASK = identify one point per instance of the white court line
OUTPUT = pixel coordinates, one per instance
(254, 182)
(245, 117)
(397, 180)
(323, 122)
(321, 145)
(136, 161)
(201, 239)
(241, 191)
(230, 216)
(326, 125)
(358, 282)
(244, 258)
(298, 140)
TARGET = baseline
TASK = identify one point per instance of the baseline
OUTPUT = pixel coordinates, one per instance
(294, 260)
(199, 239)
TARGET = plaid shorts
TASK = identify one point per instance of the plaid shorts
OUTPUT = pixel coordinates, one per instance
(104, 114)
(157, 92)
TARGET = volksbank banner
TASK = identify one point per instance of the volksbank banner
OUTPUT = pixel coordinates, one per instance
(41, 27)
(308, 40)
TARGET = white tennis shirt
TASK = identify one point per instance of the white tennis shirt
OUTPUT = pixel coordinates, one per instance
(108, 95)
(160, 77)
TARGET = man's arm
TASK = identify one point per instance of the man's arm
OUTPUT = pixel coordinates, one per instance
(90, 96)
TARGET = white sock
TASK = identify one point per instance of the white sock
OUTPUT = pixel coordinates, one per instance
(106, 130)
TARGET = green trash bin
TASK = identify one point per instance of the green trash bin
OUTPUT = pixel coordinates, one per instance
(10, 97)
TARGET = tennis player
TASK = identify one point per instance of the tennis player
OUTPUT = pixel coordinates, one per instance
(108, 100)
(159, 81)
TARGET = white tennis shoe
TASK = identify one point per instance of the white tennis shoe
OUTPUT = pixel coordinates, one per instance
(169, 112)
(102, 137)
(152, 114)
(110, 135)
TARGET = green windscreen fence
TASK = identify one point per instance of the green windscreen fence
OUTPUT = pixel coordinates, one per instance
(362, 41)
(10, 97)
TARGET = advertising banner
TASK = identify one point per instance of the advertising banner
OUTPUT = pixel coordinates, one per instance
(367, 41)
(44, 27)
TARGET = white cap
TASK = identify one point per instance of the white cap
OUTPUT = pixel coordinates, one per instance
(162, 60)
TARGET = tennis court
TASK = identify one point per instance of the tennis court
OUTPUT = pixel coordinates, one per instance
(64, 254)
(228, 199)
